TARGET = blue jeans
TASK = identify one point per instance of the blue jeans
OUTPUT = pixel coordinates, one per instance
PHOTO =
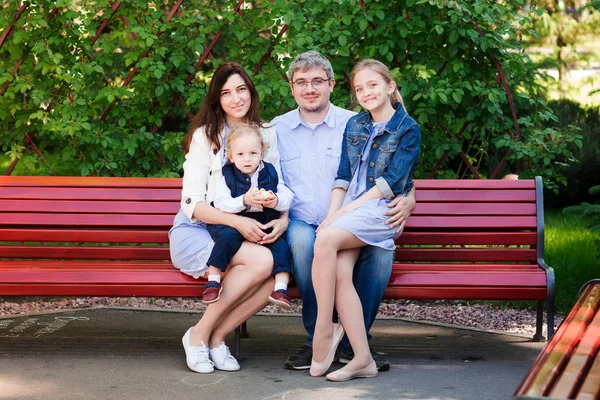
(371, 275)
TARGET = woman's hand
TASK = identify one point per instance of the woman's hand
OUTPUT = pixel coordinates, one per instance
(279, 226)
(251, 229)
(400, 210)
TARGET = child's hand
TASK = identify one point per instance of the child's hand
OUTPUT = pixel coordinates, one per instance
(253, 198)
(270, 199)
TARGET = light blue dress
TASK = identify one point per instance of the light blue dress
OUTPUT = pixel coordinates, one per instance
(367, 221)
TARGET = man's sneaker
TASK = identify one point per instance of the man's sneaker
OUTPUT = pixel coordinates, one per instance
(196, 356)
(281, 298)
(222, 358)
(212, 292)
(300, 360)
(346, 355)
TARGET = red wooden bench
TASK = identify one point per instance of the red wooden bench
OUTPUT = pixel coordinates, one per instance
(77, 236)
(569, 365)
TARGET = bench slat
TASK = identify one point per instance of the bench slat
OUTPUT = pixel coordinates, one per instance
(136, 276)
(555, 355)
(77, 193)
(73, 181)
(467, 238)
(475, 184)
(163, 207)
(466, 293)
(466, 254)
(72, 206)
(469, 278)
(86, 252)
(591, 385)
(581, 359)
(78, 265)
(84, 235)
(474, 209)
(85, 181)
(467, 196)
(166, 220)
(406, 268)
(110, 290)
(91, 220)
(469, 222)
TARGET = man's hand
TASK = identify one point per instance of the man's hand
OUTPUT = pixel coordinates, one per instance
(400, 209)
(251, 229)
(279, 226)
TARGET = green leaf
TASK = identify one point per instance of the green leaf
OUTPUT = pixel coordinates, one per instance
(439, 29)
(122, 122)
(342, 40)
(453, 37)
(362, 24)
(457, 97)
(159, 90)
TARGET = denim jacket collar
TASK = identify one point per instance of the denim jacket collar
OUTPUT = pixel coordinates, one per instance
(394, 123)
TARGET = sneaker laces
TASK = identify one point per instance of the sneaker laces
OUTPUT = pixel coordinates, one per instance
(223, 352)
(200, 354)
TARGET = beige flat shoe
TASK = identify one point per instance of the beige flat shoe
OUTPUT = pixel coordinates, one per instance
(319, 368)
(341, 376)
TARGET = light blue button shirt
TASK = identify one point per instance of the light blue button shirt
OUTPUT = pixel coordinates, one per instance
(310, 159)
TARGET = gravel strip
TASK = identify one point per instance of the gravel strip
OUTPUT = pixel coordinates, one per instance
(479, 315)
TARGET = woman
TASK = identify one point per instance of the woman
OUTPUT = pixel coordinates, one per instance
(232, 100)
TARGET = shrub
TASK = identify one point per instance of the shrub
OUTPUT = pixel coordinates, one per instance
(582, 174)
(74, 95)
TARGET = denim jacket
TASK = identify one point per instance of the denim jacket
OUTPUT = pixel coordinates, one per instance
(393, 157)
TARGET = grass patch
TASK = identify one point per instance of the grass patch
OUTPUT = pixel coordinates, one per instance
(572, 249)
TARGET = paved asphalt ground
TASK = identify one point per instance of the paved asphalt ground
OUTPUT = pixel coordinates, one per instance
(125, 354)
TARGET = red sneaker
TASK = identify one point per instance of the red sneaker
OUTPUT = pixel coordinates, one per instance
(281, 298)
(212, 292)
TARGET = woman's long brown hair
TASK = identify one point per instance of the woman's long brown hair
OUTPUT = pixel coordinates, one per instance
(212, 116)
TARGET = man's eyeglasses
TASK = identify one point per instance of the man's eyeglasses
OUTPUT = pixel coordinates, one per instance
(316, 83)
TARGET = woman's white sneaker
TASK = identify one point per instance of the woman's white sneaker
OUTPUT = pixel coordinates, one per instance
(197, 356)
(222, 358)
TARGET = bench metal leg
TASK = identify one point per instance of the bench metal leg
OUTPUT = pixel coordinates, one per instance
(539, 322)
(240, 332)
(550, 316)
(245, 334)
(237, 345)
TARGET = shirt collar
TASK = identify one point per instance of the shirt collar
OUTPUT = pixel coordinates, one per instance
(329, 119)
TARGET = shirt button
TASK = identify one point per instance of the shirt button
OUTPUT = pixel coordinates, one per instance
(371, 164)
(375, 146)
(387, 147)
(371, 179)
(188, 200)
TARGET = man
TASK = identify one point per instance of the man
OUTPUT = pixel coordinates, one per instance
(310, 142)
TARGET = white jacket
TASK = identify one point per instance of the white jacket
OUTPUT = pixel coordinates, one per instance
(202, 168)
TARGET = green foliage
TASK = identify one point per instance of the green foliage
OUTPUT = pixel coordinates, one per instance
(584, 173)
(589, 212)
(442, 54)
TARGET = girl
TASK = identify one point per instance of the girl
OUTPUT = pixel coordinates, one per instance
(379, 155)
(237, 192)
(232, 100)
